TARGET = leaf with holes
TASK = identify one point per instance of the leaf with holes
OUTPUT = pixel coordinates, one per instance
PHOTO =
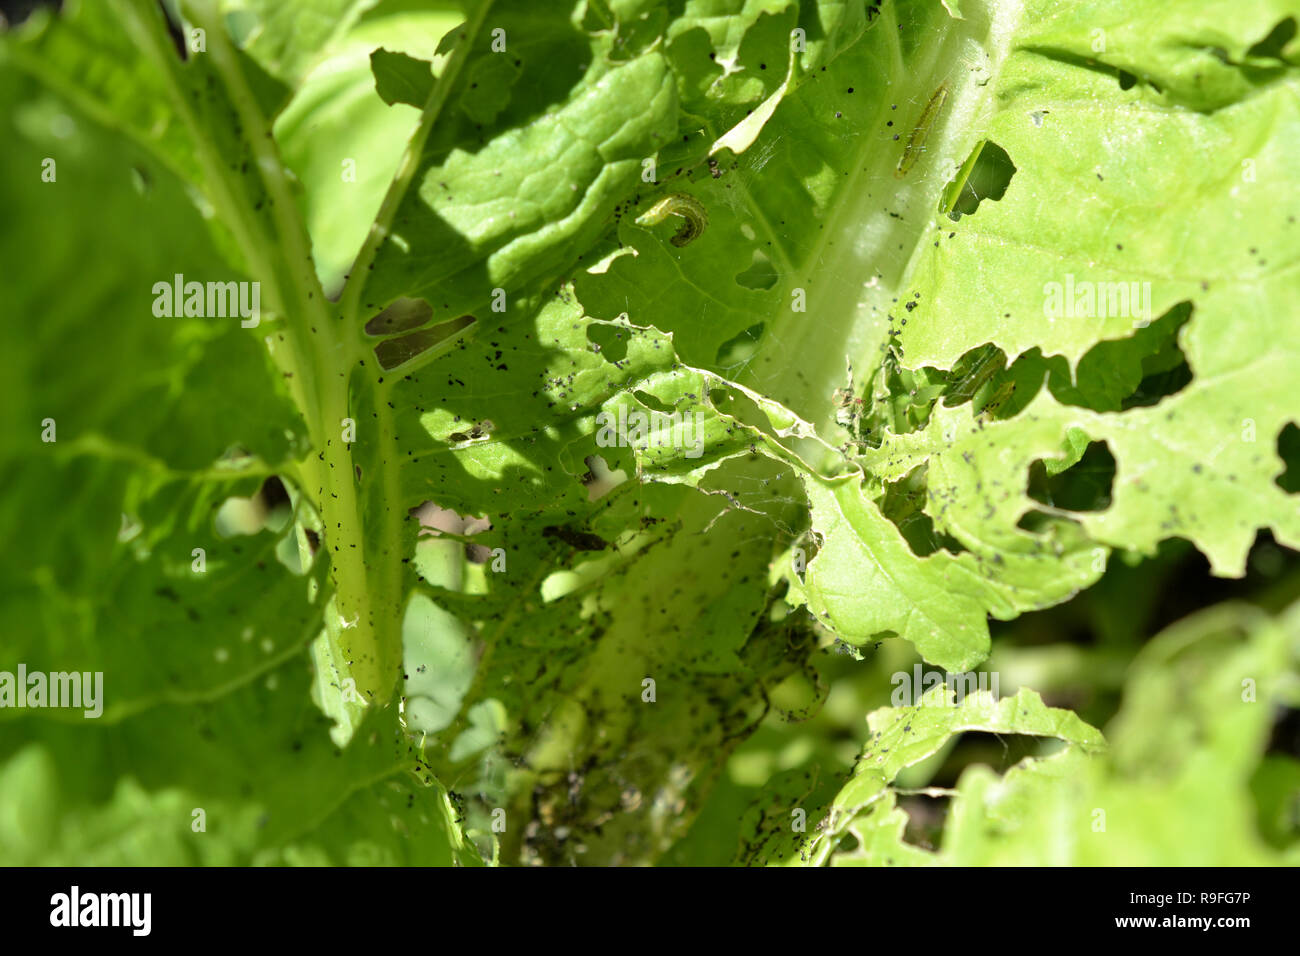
(541, 433)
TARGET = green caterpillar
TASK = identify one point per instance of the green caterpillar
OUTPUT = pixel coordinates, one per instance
(916, 142)
(692, 212)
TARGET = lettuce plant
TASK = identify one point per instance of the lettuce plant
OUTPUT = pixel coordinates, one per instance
(503, 431)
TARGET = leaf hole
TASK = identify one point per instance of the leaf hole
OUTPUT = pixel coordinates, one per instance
(268, 507)
(1151, 356)
(1273, 45)
(740, 348)
(600, 479)
(652, 402)
(926, 816)
(402, 315)
(1288, 449)
(1040, 522)
(393, 353)
(972, 373)
(760, 275)
(437, 521)
(986, 178)
(1086, 485)
(904, 504)
(609, 339)
(1000, 752)
(1165, 372)
(848, 843)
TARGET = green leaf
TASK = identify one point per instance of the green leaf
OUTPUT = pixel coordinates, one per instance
(342, 141)
(507, 205)
(221, 784)
(288, 38)
(516, 489)
(1185, 748)
(134, 442)
(147, 444)
(400, 78)
(1197, 464)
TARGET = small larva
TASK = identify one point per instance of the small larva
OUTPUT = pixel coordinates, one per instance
(916, 142)
(693, 215)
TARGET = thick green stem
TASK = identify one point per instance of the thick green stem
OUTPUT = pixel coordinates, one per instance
(318, 350)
